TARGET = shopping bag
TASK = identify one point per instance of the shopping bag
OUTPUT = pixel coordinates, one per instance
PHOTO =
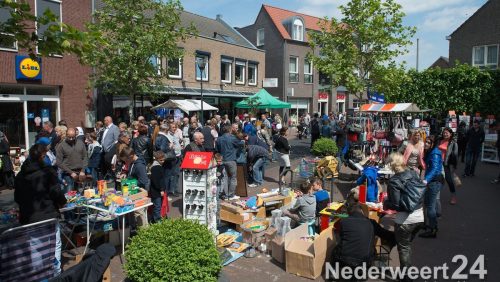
(164, 206)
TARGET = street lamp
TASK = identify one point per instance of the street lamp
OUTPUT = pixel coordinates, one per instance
(201, 62)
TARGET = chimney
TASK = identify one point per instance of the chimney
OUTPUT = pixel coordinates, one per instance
(218, 17)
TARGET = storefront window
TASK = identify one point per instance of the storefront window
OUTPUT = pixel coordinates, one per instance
(12, 123)
(46, 111)
(41, 91)
(12, 90)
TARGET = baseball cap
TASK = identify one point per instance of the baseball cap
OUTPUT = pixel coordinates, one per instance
(43, 141)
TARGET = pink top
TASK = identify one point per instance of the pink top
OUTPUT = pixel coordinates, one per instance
(443, 147)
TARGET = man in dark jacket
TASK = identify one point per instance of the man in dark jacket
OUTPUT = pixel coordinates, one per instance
(208, 137)
(227, 145)
(257, 157)
(142, 145)
(315, 129)
(197, 145)
(6, 168)
(475, 139)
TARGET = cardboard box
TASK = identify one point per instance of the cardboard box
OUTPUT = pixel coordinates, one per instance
(142, 194)
(270, 234)
(240, 218)
(278, 249)
(252, 238)
(304, 258)
(115, 236)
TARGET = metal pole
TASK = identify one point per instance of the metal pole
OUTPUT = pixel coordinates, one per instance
(201, 88)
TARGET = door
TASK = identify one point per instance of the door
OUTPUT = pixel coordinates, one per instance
(41, 111)
(12, 123)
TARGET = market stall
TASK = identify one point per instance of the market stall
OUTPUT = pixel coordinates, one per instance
(176, 107)
(263, 100)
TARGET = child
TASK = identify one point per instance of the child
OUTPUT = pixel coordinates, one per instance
(157, 184)
(94, 153)
(304, 209)
(322, 196)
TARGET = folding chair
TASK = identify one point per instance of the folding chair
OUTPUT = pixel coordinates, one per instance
(27, 253)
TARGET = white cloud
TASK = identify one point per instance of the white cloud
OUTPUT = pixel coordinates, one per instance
(418, 6)
(447, 19)
(322, 8)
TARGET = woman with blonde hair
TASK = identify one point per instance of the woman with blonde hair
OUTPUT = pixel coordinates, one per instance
(414, 152)
(409, 205)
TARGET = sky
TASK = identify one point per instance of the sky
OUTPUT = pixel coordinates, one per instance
(434, 19)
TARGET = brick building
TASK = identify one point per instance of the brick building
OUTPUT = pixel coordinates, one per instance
(476, 42)
(234, 68)
(53, 90)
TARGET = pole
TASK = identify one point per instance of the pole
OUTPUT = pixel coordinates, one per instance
(201, 90)
(418, 41)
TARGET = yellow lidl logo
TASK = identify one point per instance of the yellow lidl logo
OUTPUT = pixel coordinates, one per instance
(29, 68)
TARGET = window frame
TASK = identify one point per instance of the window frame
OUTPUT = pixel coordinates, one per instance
(260, 42)
(179, 73)
(485, 63)
(16, 47)
(310, 73)
(230, 72)
(244, 66)
(255, 72)
(296, 72)
(206, 71)
(60, 21)
(300, 27)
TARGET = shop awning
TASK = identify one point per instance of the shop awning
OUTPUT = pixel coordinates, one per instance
(188, 91)
(124, 102)
(263, 100)
(187, 105)
(388, 108)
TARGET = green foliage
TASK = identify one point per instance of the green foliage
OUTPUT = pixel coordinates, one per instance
(132, 33)
(253, 103)
(490, 101)
(460, 88)
(325, 147)
(173, 250)
(359, 50)
(59, 38)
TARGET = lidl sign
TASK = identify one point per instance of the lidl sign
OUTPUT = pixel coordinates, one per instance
(28, 69)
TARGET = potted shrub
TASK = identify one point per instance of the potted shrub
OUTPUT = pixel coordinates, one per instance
(324, 147)
(173, 250)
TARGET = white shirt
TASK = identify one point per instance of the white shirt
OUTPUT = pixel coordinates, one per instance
(416, 216)
(105, 132)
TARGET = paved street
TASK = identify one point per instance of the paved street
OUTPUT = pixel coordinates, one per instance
(469, 228)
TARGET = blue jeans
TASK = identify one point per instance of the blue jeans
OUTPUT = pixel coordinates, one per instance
(156, 209)
(172, 170)
(258, 171)
(430, 202)
(231, 170)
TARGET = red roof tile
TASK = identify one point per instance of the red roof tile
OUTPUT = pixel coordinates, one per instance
(278, 15)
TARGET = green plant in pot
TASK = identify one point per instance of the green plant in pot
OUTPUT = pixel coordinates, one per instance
(324, 147)
(173, 250)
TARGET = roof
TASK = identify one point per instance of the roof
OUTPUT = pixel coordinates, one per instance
(442, 62)
(215, 29)
(473, 15)
(278, 15)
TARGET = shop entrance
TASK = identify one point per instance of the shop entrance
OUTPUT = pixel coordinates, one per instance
(12, 122)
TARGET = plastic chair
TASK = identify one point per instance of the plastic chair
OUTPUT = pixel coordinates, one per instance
(27, 253)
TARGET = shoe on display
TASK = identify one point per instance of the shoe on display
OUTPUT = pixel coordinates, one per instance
(234, 198)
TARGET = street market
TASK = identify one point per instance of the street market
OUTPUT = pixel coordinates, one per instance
(144, 142)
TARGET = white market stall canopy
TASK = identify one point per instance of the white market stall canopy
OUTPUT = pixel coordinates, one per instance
(187, 105)
(390, 108)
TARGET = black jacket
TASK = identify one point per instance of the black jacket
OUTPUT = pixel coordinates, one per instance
(475, 139)
(357, 239)
(139, 171)
(143, 146)
(37, 192)
(255, 152)
(281, 145)
(209, 139)
(157, 180)
(399, 196)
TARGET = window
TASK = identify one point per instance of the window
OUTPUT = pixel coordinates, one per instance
(260, 37)
(41, 6)
(293, 69)
(298, 30)
(239, 73)
(308, 71)
(174, 68)
(225, 70)
(155, 63)
(7, 41)
(252, 74)
(485, 56)
(204, 71)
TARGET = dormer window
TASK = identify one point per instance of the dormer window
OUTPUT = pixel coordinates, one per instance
(298, 30)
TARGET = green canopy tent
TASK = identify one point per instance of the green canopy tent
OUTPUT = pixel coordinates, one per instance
(263, 100)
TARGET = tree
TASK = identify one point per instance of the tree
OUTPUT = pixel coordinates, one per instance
(359, 50)
(463, 88)
(21, 27)
(135, 36)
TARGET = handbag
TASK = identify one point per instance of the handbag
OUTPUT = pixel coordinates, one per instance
(164, 206)
(380, 134)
